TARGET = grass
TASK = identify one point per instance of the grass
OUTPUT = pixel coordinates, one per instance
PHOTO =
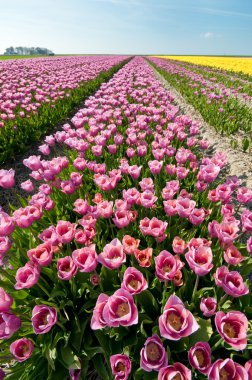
(5, 57)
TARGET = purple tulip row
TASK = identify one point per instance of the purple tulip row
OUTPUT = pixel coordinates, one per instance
(215, 90)
(150, 175)
(27, 84)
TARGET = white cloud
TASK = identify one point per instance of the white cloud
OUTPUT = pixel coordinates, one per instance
(208, 35)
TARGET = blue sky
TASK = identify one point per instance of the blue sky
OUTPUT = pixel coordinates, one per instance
(128, 26)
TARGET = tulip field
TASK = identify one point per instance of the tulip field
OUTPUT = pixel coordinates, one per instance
(130, 256)
(43, 85)
(240, 65)
(224, 100)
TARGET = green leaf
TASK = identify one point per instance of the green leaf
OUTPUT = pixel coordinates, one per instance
(150, 375)
(109, 278)
(148, 303)
(139, 374)
(245, 144)
(69, 359)
(227, 305)
(103, 340)
(203, 334)
(51, 354)
(20, 294)
(202, 291)
(90, 352)
(78, 330)
(100, 367)
(180, 345)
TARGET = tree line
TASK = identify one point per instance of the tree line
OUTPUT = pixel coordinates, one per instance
(22, 50)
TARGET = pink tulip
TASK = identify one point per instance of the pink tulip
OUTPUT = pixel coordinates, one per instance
(170, 207)
(147, 199)
(97, 320)
(7, 178)
(27, 186)
(208, 306)
(105, 209)
(144, 257)
(43, 318)
(66, 268)
(42, 254)
(147, 184)
(6, 224)
(197, 216)
(184, 207)
(233, 328)
(227, 232)
(112, 255)
(27, 276)
(200, 260)
(81, 206)
(231, 282)
(227, 368)
(244, 195)
(233, 256)
(49, 235)
(155, 166)
(21, 349)
(153, 227)
(209, 172)
(131, 196)
(175, 371)
(33, 162)
(120, 310)
(178, 245)
(130, 244)
(167, 266)
(249, 245)
(5, 245)
(121, 218)
(246, 218)
(199, 357)
(248, 367)
(85, 258)
(65, 231)
(134, 281)
(120, 366)
(9, 324)
(176, 322)
(5, 301)
(153, 356)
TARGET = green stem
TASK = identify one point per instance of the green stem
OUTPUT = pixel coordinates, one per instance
(61, 326)
(217, 344)
(4, 273)
(195, 287)
(164, 293)
(223, 299)
(44, 289)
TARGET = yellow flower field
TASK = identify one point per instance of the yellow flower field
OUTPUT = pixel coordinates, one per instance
(226, 63)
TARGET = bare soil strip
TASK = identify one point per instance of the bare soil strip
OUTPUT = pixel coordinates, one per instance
(240, 163)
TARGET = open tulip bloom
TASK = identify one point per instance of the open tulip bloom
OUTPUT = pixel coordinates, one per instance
(130, 257)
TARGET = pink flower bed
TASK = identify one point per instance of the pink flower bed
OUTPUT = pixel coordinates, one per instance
(134, 256)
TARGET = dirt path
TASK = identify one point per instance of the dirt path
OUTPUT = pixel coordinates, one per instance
(240, 163)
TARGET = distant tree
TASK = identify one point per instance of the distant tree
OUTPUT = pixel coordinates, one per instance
(10, 51)
(21, 50)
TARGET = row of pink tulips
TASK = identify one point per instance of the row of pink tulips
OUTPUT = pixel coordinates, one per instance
(134, 256)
